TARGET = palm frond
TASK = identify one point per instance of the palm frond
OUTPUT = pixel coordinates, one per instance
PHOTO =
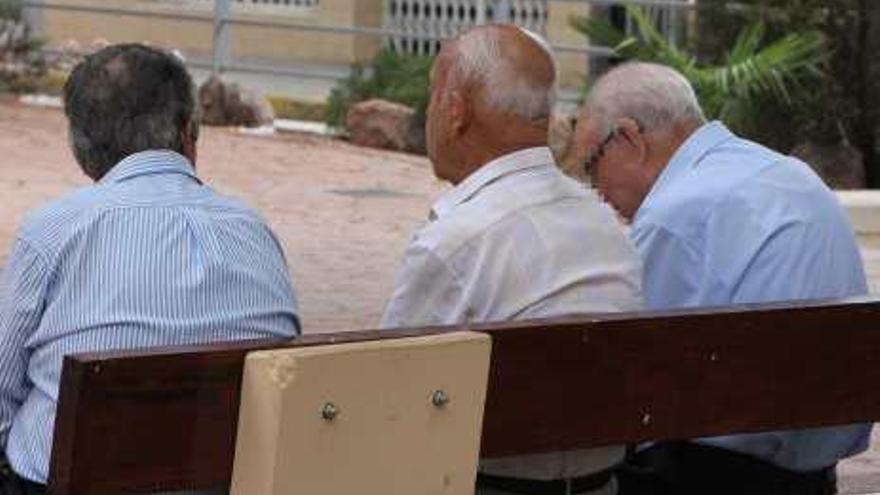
(751, 70)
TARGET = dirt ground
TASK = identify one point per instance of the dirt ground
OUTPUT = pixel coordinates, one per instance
(343, 214)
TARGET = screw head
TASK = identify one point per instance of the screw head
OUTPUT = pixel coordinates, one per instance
(329, 412)
(439, 398)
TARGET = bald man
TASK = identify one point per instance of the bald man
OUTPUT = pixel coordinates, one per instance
(514, 238)
(719, 220)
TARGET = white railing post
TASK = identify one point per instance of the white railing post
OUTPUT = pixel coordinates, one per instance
(502, 11)
(32, 13)
(222, 38)
(481, 12)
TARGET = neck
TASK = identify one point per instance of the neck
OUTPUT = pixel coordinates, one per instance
(483, 147)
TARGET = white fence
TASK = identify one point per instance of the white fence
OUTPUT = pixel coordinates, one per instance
(411, 26)
(421, 22)
(263, 5)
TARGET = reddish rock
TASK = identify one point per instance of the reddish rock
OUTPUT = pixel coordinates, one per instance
(380, 124)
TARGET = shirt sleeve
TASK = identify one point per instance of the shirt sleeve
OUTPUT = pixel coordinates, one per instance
(22, 295)
(426, 292)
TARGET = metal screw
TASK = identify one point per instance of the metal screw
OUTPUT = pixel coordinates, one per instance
(713, 357)
(646, 419)
(329, 411)
(96, 369)
(439, 398)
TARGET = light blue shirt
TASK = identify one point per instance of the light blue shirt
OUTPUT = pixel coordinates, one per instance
(146, 257)
(729, 222)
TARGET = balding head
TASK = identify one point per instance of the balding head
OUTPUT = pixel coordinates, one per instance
(511, 68)
(492, 92)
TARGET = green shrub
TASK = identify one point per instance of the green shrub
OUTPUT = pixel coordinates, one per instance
(735, 86)
(391, 76)
(841, 106)
(286, 108)
(10, 9)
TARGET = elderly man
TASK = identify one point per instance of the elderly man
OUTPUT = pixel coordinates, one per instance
(719, 220)
(515, 238)
(146, 256)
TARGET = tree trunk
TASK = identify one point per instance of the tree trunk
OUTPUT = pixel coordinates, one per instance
(866, 122)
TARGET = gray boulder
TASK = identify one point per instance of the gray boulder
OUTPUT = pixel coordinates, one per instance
(226, 103)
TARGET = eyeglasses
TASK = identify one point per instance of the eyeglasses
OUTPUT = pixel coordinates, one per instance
(596, 155)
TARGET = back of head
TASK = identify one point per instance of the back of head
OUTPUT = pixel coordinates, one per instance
(125, 99)
(653, 95)
(510, 68)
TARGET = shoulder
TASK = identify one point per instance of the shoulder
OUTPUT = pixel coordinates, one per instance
(528, 204)
(44, 225)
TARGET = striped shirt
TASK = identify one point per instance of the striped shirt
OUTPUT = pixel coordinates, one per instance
(148, 256)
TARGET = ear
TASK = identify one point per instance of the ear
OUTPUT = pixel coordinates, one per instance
(460, 113)
(630, 132)
(188, 143)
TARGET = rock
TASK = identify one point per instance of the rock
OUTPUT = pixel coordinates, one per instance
(66, 57)
(416, 140)
(559, 136)
(15, 38)
(381, 124)
(841, 166)
(227, 103)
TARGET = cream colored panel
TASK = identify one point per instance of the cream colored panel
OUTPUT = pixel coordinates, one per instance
(387, 437)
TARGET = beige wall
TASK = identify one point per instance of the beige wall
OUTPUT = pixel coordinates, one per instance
(572, 66)
(281, 45)
(194, 37)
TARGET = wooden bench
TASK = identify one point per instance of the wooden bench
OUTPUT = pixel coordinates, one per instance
(166, 418)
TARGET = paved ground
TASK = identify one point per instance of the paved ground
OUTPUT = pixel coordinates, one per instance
(343, 214)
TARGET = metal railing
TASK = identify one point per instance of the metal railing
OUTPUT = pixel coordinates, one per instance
(224, 19)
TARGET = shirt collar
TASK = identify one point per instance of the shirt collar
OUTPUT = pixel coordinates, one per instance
(489, 173)
(149, 163)
(687, 157)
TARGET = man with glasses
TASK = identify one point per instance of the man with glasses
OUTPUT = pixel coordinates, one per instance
(719, 220)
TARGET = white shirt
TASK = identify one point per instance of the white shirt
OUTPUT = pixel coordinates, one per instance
(517, 240)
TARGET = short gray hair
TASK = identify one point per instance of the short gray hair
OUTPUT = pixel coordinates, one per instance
(653, 95)
(480, 59)
(125, 99)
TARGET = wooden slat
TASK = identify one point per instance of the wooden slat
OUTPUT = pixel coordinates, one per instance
(166, 418)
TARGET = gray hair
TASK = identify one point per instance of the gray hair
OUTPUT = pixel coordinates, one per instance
(480, 59)
(653, 95)
(125, 99)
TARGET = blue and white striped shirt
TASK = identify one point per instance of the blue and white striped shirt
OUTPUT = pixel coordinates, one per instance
(146, 257)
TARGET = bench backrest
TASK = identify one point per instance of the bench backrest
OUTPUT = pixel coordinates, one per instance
(166, 418)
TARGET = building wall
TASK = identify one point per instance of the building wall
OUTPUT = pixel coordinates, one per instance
(282, 46)
(573, 67)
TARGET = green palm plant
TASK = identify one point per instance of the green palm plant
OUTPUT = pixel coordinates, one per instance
(750, 71)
